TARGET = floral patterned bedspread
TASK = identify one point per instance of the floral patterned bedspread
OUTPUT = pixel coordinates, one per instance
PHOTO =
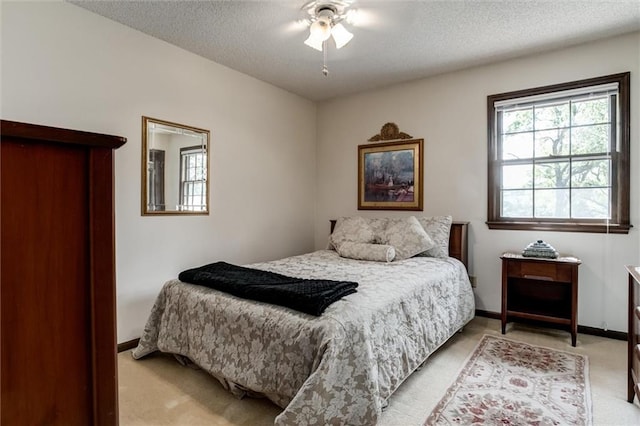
(339, 368)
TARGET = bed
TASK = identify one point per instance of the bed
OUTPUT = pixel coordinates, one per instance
(337, 368)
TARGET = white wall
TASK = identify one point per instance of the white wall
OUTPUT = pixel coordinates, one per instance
(449, 112)
(66, 67)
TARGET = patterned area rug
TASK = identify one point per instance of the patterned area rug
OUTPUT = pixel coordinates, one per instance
(505, 382)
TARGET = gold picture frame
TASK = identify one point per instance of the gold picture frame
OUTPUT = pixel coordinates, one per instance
(390, 175)
(175, 168)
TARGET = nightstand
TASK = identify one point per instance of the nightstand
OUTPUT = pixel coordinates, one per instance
(544, 290)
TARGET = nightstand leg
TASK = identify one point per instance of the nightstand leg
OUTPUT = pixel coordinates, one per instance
(505, 287)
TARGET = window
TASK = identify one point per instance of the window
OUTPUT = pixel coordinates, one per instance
(193, 174)
(559, 157)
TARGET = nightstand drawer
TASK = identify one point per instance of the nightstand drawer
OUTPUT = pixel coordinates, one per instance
(633, 334)
(543, 271)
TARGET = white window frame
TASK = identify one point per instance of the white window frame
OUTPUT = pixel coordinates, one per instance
(186, 197)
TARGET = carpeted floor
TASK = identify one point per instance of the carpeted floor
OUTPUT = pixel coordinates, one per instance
(159, 391)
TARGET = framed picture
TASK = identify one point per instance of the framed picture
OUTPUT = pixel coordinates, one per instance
(390, 175)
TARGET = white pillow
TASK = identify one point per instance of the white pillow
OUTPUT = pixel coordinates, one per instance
(407, 236)
(354, 229)
(365, 251)
(378, 225)
(438, 228)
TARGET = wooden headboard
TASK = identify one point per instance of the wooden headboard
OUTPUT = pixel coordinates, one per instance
(458, 243)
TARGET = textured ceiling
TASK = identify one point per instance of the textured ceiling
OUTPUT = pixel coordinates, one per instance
(394, 41)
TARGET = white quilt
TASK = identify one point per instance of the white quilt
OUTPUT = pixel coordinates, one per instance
(339, 368)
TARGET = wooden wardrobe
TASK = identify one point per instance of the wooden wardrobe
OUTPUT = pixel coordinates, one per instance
(57, 294)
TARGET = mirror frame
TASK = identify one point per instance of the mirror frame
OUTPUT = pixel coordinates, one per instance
(145, 158)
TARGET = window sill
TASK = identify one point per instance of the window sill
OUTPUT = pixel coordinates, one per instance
(597, 228)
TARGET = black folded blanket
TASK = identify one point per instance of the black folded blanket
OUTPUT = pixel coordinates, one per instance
(304, 295)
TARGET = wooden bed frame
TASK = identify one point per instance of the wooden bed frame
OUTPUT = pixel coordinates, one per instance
(458, 242)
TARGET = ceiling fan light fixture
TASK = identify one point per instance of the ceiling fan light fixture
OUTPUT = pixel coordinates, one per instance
(320, 29)
(325, 20)
(313, 42)
(340, 35)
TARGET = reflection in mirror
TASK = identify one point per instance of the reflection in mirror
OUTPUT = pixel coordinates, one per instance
(175, 172)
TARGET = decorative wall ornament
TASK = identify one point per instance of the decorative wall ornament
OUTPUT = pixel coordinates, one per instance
(390, 131)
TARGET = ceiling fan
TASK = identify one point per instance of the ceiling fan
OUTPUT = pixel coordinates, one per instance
(325, 18)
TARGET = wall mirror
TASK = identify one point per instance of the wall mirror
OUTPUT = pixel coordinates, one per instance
(175, 168)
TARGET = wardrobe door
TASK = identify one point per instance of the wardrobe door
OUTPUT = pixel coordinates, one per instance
(58, 361)
(46, 316)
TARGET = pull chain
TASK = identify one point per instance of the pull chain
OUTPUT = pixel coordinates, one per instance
(325, 70)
